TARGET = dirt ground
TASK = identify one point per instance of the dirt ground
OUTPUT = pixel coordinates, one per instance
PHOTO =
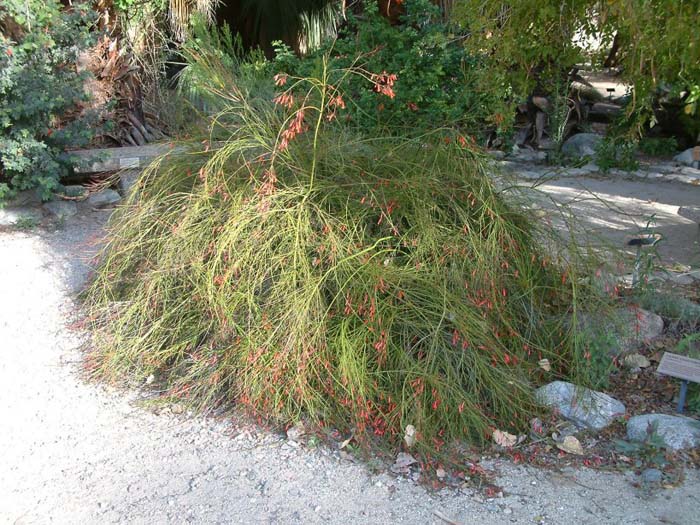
(74, 452)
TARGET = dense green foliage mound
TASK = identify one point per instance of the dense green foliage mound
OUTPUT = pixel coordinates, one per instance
(303, 269)
(438, 80)
(42, 96)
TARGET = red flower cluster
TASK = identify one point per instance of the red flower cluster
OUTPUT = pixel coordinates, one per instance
(384, 83)
(284, 99)
(296, 127)
(334, 104)
(280, 79)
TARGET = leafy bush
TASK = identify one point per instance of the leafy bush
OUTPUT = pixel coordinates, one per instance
(41, 94)
(658, 147)
(613, 152)
(434, 76)
(533, 44)
(303, 269)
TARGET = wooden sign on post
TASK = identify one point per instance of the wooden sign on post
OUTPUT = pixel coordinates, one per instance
(684, 368)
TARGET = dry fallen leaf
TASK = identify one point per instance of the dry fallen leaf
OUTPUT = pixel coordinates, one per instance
(504, 439)
(544, 365)
(571, 445)
(410, 436)
(403, 461)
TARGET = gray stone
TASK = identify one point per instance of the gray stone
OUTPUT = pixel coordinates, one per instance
(638, 326)
(26, 198)
(684, 279)
(581, 145)
(528, 155)
(542, 103)
(104, 199)
(652, 475)
(633, 361)
(74, 190)
(296, 432)
(61, 209)
(129, 178)
(686, 157)
(628, 329)
(13, 216)
(677, 432)
(690, 212)
(584, 407)
(691, 172)
(590, 167)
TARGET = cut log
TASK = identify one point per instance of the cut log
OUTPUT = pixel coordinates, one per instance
(604, 109)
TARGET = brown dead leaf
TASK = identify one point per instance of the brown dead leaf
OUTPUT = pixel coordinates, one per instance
(504, 439)
(571, 445)
(410, 436)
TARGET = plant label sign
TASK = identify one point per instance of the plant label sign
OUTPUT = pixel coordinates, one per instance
(679, 366)
(129, 162)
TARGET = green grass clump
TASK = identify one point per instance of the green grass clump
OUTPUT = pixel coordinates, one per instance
(364, 283)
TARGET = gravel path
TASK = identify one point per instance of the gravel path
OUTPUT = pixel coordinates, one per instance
(72, 452)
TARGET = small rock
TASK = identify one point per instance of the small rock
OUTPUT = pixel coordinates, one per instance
(633, 361)
(581, 145)
(691, 172)
(440, 473)
(690, 212)
(633, 326)
(584, 407)
(402, 463)
(296, 432)
(61, 209)
(652, 475)
(683, 279)
(688, 156)
(542, 103)
(14, 216)
(104, 199)
(677, 432)
(26, 198)
(528, 155)
(643, 326)
(74, 190)
(128, 179)
(570, 445)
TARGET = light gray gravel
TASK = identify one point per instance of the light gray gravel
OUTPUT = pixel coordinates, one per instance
(72, 452)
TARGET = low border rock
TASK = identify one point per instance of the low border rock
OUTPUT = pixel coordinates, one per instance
(677, 432)
(584, 407)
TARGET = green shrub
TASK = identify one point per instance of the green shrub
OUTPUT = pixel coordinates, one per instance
(434, 83)
(689, 346)
(304, 269)
(533, 44)
(616, 153)
(658, 147)
(41, 94)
